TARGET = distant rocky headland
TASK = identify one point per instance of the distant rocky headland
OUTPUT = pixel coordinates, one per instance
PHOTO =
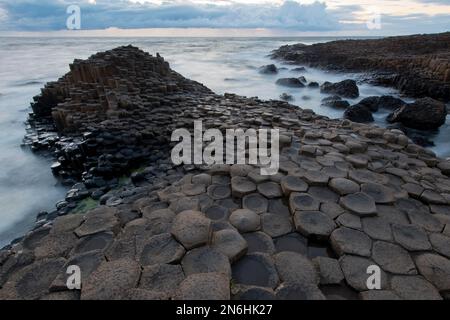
(348, 196)
(417, 65)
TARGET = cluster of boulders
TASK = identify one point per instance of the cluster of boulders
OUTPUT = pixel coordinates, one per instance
(418, 65)
(347, 196)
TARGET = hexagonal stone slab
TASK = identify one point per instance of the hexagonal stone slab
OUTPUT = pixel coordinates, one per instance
(316, 178)
(344, 186)
(245, 220)
(302, 202)
(314, 223)
(255, 202)
(161, 249)
(270, 190)
(255, 269)
(291, 184)
(379, 193)
(349, 220)
(323, 194)
(349, 241)
(242, 186)
(192, 229)
(111, 280)
(411, 237)
(329, 270)
(414, 288)
(230, 243)
(377, 228)
(204, 286)
(99, 221)
(435, 269)
(259, 242)
(161, 278)
(240, 170)
(217, 213)
(441, 244)
(425, 220)
(218, 192)
(360, 204)
(393, 258)
(295, 268)
(206, 260)
(364, 176)
(278, 207)
(293, 242)
(276, 225)
(355, 272)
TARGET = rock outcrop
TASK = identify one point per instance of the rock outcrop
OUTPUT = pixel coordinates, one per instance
(347, 196)
(418, 65)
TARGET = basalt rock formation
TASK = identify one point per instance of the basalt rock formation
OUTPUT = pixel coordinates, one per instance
(347, 196)
(418, 65)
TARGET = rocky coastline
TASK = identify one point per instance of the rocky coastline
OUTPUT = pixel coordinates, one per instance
(417, 65)
(347, 196)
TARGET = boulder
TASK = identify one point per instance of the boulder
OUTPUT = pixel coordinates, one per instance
(346, 89)
(268, 69)
(290, 82)
(358, 113)
(424, 114)
(335, 102)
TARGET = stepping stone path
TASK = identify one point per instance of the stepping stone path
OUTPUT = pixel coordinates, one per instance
(347, 196)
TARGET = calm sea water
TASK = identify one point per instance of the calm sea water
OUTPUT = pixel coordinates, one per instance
(222, 64)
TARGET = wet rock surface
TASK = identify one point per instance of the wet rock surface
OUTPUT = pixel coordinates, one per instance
(347, 196)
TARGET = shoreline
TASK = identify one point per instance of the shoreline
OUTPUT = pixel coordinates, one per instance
(128, 110)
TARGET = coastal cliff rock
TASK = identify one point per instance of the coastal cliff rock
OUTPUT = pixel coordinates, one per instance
(417, 65)
(355, 194)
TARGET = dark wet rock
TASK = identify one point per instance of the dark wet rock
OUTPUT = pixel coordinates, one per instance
(269, 69)
(360, 204)
(256, 269)
(291, 184)
(255, 202)
(302, 202)
(293, 242)
(335, 102)
(206, 260)
(313, 84)
(424, 114)
(383, 102)
(286, 97)
(192, 229)
(205, 286)
(345, 89)
(299, 69)
(358, 113)
(290, 82)
(270, 190)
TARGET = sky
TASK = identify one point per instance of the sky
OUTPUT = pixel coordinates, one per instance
(235, 17)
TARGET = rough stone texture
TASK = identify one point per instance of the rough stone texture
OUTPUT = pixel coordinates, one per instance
(349, 241)
(295, 268)
(205, 286)
(436, 269)
(276, 225)
(256, 269)
(329, 270)
(355, 272)
(360, 204)
(314, 223)
(393, 258)
(230, 243)
(414, 288)
(206, 260)
(161, 249)
(163, 278)
(245, 220)
(411, 237)
(192, 229)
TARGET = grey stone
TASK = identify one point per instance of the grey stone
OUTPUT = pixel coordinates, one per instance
(441, 244)
(276, 225)
(393, 258)
(204, 286)
(161, 249)
(329, 270)
(426, 221)
(293, 242)
(411, 237)
(218, 192)
(255, 202)
(111, 280)
(242, 186)
(295, 268)
(259, 242)
(161, 278)
(379, 193)
(302, 202)
(314, 223)
(206, 260)
(344, 186)
(377, 228)
(192, 229)
(291, 184)
(349, 241)
(255, 269)
(350, 221)
(360, 204)
(270, 190)
(230, 243)
(245, 220)
(99, 221)
(355, 272)
(414, 288)
(436, 269)
(98, 241)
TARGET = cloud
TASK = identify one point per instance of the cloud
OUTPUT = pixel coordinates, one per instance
(27, 15)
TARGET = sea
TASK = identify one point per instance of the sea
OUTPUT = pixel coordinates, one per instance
(225, 65)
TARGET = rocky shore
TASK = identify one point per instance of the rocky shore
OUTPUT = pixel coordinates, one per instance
(347, 196)
(417, 65)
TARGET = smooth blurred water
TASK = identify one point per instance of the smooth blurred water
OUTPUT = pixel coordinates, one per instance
(222, 64)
